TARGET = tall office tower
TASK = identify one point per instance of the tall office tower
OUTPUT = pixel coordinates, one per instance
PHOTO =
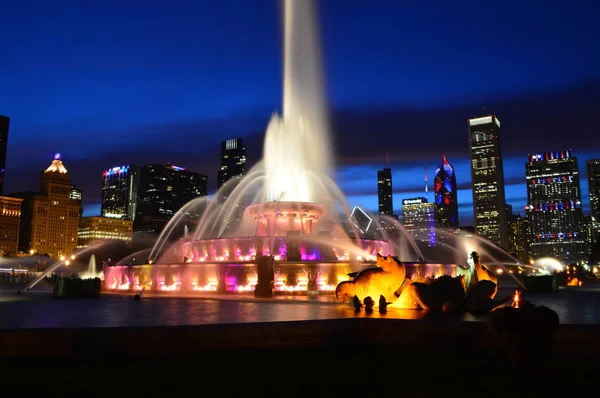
(418, 218)
(593, 175)
(590, 233)
(10, 217)
(519, 237)
(163, 190)
(488, 180)
(119, 192)
(77, 194)
(446, 204)
(233, 161)
(4, 122)
(384, 191)
(233, 169)
(54, 215)
(554, 207)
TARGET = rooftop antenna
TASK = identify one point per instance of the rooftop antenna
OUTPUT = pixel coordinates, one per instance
(387, 159)
(426, 189)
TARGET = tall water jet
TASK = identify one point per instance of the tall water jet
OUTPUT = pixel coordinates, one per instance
(297, 149)
(92, 271)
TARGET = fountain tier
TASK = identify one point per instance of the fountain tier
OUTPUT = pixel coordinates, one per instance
(281, 218)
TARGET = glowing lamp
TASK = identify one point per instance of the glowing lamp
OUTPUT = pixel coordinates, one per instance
(57, 156)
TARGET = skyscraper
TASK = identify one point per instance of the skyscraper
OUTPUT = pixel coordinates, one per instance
(233, 169)
(233, 160)
(488, 180)
(446, 204)
(519, 236)
(119, 192)
(163, 190)
(4, 122)
(554, 207)
(418, 218)
(51, 217)
(384, 191)
(593, 176)
(77, 194)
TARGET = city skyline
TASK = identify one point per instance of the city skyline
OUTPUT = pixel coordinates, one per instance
(108, 107)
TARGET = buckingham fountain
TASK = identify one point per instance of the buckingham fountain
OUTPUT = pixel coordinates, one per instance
(287, 211)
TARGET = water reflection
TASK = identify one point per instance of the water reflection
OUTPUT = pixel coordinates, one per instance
(573, 305)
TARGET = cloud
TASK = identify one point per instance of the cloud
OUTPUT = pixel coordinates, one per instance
(411, 137)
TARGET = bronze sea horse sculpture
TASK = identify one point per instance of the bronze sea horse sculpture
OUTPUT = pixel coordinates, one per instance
(383, 280)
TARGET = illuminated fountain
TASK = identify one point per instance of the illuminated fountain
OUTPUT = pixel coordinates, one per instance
(91, 271)
(287, 207)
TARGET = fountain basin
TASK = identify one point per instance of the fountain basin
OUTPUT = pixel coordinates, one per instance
(239, 277)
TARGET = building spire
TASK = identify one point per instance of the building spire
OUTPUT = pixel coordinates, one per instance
(426, 188)
(387, 159)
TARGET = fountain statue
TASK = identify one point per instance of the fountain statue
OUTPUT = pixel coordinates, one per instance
(384, 280)
(388, 282)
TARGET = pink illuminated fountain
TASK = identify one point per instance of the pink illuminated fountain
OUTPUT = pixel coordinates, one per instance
(287, 206)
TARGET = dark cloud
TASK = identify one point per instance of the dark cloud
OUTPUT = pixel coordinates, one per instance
(536, 123)
(531, 124)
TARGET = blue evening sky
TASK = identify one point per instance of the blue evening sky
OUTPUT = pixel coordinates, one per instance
(115, 82)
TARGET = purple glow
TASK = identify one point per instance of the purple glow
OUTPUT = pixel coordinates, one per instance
(282, 251)
(310, 257)
(231, 280)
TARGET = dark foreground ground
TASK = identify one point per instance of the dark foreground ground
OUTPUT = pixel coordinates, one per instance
(54, 348)
(438, 369)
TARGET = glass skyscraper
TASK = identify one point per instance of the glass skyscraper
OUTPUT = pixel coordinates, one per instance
(77, 194)
(489, 204)
(163, 190)
(418, 218)
(233, 160)
(554, 207)
(119, 192)
(593, 176)
(384, 191)
(446, 204)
